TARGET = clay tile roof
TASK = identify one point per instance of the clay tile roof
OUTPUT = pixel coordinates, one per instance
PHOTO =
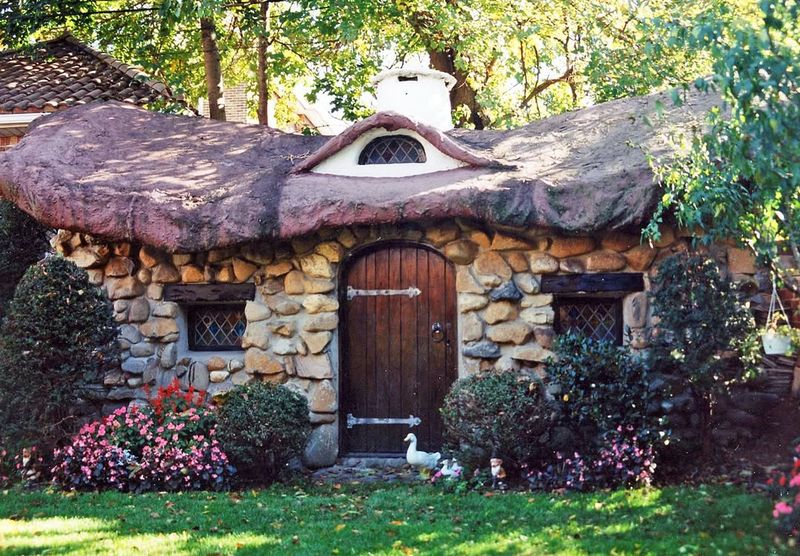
(64, 72)
(190, 184)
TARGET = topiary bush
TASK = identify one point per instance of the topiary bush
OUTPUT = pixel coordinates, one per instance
(601, 387)
(503, 413)
(58, 337)
(23, 241)
(706, 335)
(262, 426)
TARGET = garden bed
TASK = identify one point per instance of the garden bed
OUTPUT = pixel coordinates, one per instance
(379, 519)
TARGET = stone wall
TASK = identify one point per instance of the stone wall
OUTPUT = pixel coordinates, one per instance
(505, 322)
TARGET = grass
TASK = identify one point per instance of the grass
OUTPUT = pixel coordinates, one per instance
(357, 519)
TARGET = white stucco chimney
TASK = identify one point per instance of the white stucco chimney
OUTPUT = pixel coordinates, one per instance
(420, 94)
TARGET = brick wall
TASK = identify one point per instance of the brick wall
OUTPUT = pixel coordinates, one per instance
(236, 103)
(8, 142)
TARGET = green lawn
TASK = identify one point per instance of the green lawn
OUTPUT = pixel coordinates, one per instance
(387, 520)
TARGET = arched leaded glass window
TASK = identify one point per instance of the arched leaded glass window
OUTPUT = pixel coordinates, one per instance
(393, 149)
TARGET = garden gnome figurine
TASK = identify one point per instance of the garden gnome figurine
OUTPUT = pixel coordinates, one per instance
(498, 474)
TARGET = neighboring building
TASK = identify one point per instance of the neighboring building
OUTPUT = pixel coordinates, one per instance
(309, 116)
(61, 73)
(368, 270)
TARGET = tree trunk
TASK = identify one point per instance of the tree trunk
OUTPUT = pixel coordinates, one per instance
(212, 66)
(263, 88)
(462, 93)
(707, 426)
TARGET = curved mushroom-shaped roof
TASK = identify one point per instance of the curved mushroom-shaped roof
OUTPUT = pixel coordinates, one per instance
(190, 184)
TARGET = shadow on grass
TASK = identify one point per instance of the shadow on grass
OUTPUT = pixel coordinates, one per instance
(387, 520)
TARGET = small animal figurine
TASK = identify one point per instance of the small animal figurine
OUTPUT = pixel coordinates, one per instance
(446, 470)
(456, 469)
(416, 458)
(498, 474)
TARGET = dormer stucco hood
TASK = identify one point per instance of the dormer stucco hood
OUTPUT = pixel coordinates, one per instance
(422, 95)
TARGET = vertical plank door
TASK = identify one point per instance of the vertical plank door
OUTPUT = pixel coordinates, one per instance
(395, 363)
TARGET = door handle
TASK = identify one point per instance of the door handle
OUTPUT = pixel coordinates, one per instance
(437, 332)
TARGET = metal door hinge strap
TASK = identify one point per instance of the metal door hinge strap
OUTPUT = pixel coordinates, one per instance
(410, 292)
(353, 421)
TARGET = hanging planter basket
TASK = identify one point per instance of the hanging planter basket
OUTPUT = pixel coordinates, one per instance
(776, 343)
(774, 340)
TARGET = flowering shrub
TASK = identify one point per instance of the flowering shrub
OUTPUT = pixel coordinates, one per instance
(5, 469)
(172, 399)
(141, 449)
(621, 461)
(786, 487)
(571, 473)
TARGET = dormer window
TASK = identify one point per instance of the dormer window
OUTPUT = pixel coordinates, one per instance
(393, 149)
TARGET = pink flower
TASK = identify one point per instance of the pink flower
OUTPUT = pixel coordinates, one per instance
(781, 508)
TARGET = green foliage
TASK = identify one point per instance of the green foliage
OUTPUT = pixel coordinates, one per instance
(512, 65)
(497, 413)
(262, 426)
(740, 177)
(59, 336)
(602, 387)
(23, 241)
(705, 334)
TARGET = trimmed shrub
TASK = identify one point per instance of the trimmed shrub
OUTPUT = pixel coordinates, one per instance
(601, 387)
(262, 426)
(504, 413)
(23, 241)
(58, 337)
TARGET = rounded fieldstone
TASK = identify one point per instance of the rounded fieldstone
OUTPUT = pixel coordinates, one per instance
(218, 376)
(142, 349)
(528, 283)
(169, 356)
(167, 309)
(466, 282)
(471, 302)
(316, 341)
(507, 292)
(317, 303)
(461, 252)
(483, 350)
(322, 446)
(491, 263)
(542, 263)
(139, 310)
(500, 311)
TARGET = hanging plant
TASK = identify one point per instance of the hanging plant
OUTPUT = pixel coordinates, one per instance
(778, 336)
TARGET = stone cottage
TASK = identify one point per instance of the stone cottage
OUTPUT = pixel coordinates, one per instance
(367, 270)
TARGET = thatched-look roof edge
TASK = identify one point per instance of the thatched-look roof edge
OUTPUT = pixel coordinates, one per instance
(191, 184)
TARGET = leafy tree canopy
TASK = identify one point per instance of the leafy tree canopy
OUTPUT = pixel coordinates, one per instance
(740, 178)
(513, 62)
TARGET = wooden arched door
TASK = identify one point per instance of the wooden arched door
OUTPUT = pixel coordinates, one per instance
(399, 344)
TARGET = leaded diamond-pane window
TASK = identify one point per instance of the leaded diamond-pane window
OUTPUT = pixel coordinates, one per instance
(393, 149)
(215, 327)
(598, 318)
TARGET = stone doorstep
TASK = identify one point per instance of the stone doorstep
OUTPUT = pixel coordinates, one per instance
(370, 462)
(368, 470)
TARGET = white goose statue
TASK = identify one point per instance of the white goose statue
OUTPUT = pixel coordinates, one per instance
(419, 459)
